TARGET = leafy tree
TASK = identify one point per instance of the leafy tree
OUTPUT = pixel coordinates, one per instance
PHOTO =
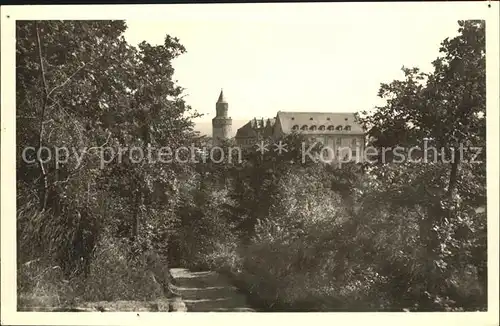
(81, 87)
(445, 109)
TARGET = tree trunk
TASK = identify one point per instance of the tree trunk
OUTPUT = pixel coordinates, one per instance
(44, 185)
(452, 183)
(137, 211)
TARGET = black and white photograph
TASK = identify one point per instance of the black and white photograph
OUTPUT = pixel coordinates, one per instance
(250, 158)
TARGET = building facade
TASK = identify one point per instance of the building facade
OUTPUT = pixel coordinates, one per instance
(338, 132)
(222, 123)
(254, 131)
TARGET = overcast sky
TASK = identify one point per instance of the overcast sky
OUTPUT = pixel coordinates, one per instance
(297, 57)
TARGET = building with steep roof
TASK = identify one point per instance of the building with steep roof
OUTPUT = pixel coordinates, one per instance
(339, 132)
(321, 123)
(254, 131)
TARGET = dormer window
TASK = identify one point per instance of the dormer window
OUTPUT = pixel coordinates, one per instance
(311, 118)
(312, 128)
(339, 127)
(331, 128)
(321, 128)
(328, 118)
(347, 128)
(304, 127)
(293, 118)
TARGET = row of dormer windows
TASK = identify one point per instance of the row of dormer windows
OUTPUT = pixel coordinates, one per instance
(329, 128)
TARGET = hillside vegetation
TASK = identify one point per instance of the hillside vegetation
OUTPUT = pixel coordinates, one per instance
(382, 235)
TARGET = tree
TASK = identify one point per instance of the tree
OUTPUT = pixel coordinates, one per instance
(62, 75)
(81, 88)
(445, 109)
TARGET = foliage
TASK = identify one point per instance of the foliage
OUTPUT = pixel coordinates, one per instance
(445, 109)
(82, 88)
(387, 235)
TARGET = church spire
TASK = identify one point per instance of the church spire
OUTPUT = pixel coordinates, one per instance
(221, 99)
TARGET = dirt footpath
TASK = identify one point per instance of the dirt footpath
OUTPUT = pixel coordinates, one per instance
(208, 291)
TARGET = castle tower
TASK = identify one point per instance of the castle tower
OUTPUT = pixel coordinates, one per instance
(221, 124)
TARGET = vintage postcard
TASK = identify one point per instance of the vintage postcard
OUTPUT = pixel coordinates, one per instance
(263, 163)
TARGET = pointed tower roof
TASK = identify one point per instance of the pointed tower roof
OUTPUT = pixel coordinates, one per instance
(221, 99)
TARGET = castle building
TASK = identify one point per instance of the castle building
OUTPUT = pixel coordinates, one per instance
(254, 131)
(339, 132)
(221, 124)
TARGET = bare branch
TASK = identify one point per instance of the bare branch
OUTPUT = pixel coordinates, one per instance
(65, 180)
(101, 146)
(25, 117)
(40, 56)
(77, 127)
(28, 263)
(42, 118)
(68, 79)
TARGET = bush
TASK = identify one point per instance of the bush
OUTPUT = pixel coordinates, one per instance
(116, 270)
(114, 276)
(291, 253)
(43, 285)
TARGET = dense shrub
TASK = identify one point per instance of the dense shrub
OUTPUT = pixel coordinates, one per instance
(114, 276)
